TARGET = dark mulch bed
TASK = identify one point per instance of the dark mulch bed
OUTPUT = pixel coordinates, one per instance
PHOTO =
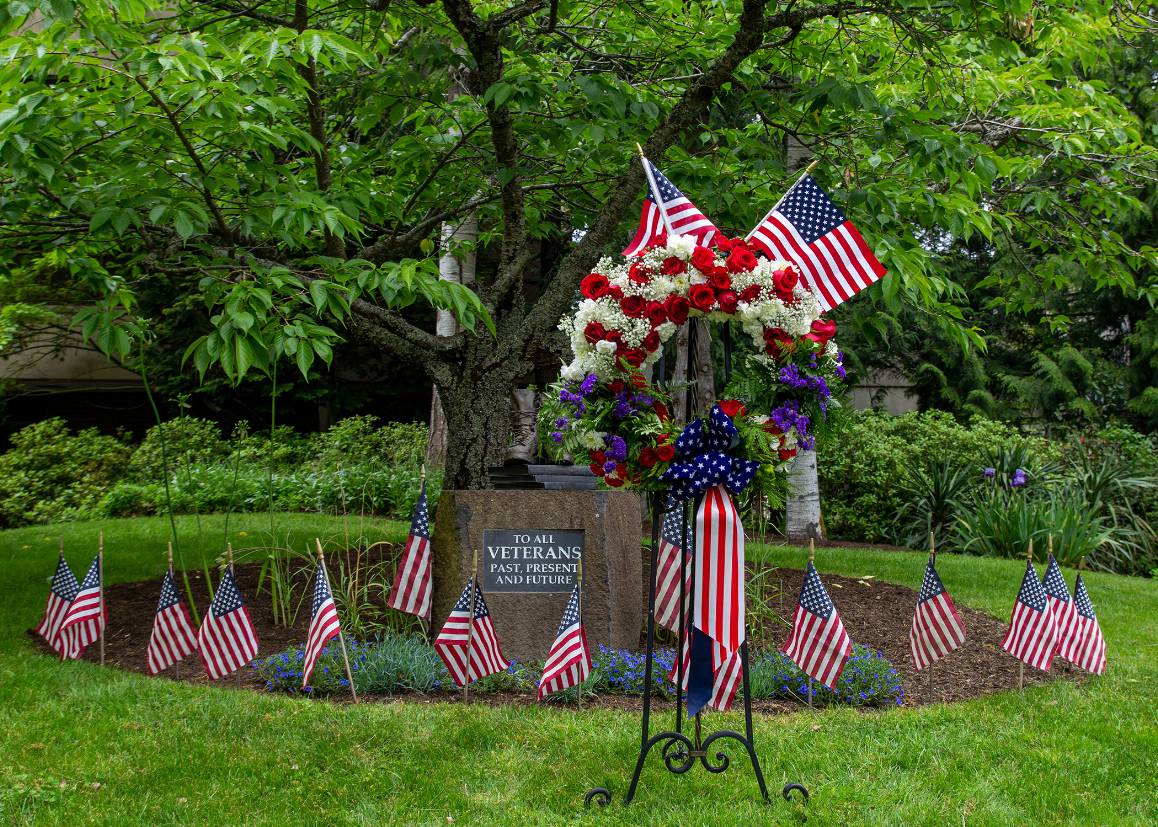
(874, 613)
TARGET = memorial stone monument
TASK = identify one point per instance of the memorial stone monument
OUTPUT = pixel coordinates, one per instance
(529, 544)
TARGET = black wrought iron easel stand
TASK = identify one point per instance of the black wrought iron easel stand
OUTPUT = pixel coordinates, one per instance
(681, 751)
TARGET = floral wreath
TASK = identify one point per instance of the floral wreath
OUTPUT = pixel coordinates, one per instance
(604, 410)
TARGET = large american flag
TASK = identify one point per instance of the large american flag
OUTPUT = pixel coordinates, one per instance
(1061, 606)
(227, 639)
(819, 645)
(937, 628)
(725, 683)
(1087, 648)
(569, 661)
(173, 636)
(807, 229)
(485, 657)
(84, 620)
(1031, 636)
(718, 602)
(411, 591)
(64, 590)
(324, 625)
(669, 564)
(684, 216)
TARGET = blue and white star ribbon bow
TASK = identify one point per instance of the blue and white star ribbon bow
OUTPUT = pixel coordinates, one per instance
(702, 458)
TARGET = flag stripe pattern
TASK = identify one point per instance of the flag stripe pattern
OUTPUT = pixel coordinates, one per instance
(685, 217)
(937, 628)
(1031, 636)
(64, 590)
(669, 564)
(819, 645)
(569, 661)
(412, 583)
(719, 573)
(173, 637)
(1087, 648)
(807, 229)
(226, 639)
(485, 657)
(1061, 606)
(725, 682)
(84, 621)
(324, 624)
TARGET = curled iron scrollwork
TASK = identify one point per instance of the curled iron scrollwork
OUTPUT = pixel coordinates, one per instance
(600, 795)
(677, 753)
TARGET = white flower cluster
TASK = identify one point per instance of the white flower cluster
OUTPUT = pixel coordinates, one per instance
(755, 313)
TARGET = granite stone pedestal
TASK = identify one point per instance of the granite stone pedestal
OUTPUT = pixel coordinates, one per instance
(526, 622)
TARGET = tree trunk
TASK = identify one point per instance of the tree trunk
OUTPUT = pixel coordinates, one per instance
(803, 498)
(803, 506)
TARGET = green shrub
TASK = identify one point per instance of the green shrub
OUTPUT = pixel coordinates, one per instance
(51, 474)
(400, 663)
(188, 441)
(865, 472)
(357, 439)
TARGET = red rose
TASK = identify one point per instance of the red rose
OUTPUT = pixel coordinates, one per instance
(617, 386)
(614, 482)
(638, 273)
(615, 291)
(634, 357)
(594, 332)
(733, 407)
(677, 309)
(594, 286)
(633, 306)
(648, 457)
(666, 452)
(750, 293)
(651, 342)
(724, 245)
(703, 260)
(784, 282)
(741, 260)
(596, 469)
(720, 279)
(786, 455)
(777, 342)
(727, 300)
(673, 266)
(658, 241)
(656, 313)
(702, 297)
(822, 331)
(771, 428)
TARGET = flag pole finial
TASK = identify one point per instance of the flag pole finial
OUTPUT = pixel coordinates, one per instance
(932, 545)
(1049, 540)
(811, 550)
(318, 545)
(424, 473)
(1029, 554)
(639, 149)
(170, 556)
(812, 166)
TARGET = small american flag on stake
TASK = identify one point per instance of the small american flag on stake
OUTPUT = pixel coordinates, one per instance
(669, 563)
(64, 590)
(173, 636)
(569, 661)
(819, 645)
(324, 624)
(411, 591)
(937, 628)
(807, 229)
(1031, 637)
(667, 210)
(227, 639)
(467, 643)
(1061, 605)
(84, 621)
(1086, 649)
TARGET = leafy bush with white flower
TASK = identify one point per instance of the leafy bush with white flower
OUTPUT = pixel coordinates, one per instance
(603, 409)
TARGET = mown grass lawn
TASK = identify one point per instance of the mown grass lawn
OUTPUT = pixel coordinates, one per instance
(81, 745)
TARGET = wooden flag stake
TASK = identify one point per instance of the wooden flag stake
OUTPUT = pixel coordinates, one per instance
(176, 663)
(470, 626)
(1021, 663)
(229, 558)
(812, 560)
(341, 635)
(101, 579)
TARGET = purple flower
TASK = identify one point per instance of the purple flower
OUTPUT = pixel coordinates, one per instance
(1018, 479)
(561, 422)
(840, 364)
(616, 447)
(588, 384)
(609, 466)
(556, 436)
(989, 473)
